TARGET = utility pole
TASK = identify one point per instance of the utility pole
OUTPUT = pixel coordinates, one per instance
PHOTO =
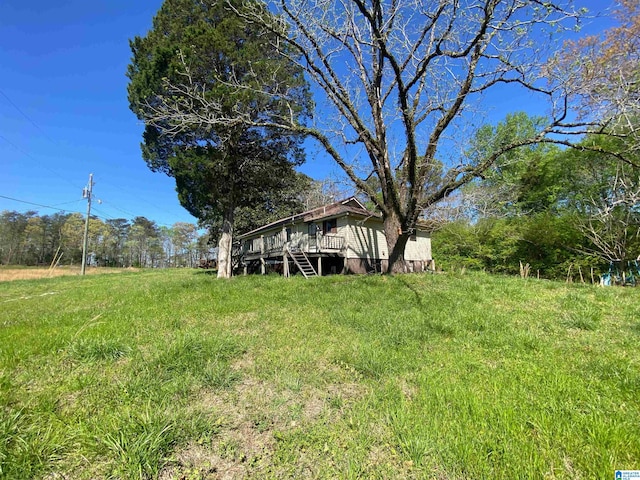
(86, 193)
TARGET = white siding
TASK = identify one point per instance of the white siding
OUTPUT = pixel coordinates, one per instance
(420, 248)
(299, 236)
(365, 239)
(342, 224)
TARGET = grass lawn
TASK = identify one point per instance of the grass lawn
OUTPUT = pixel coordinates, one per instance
(174, 374)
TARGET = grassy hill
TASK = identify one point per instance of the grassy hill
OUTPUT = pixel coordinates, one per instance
(174, 374)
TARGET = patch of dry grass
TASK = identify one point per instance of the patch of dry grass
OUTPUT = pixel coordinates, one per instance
(8, 274)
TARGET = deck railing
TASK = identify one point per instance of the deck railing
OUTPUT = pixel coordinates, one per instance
(251, 246)
(275, 243)
(331, 242)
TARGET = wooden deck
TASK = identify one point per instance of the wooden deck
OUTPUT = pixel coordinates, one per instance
(276, 245)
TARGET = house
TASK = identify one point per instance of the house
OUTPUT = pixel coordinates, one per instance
(343, 237)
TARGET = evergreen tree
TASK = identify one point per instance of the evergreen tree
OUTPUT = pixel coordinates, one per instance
(223, 168)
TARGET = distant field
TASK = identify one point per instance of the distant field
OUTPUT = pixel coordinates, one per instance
(175, 374)
(30, 273)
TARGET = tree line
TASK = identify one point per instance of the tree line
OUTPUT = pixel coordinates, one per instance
(31, 239)
(27, 238)
(562, 213)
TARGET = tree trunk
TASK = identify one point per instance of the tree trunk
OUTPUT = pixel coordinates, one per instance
(396, 242)
(7, 260)
(225, 246)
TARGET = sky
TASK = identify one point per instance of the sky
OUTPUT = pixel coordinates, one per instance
(64, 112)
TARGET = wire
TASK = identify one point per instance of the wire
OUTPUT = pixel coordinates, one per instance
(67, 203)
(74, 184)
(24, 152)
(119, 209)
(101, 214)
(140, 199)
(36, 204)
(27, 117)
(94, 213)
(132, 215)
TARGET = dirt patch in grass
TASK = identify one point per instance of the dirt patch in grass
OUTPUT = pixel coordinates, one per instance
(251, 415)
(198, 461)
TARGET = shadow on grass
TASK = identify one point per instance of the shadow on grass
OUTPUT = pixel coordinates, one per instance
(201, 271)
(429, 321)
(414, 290)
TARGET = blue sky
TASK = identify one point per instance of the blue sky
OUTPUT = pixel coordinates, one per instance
(64, 110)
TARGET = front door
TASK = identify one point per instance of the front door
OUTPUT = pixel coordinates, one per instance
(313, 242)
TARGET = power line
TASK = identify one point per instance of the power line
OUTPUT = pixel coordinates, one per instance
(24, 152)
(53, 207)
(102, 216)
(132, 215)
(42, 132)
(74, 184)
(119, 209)
(27, 117)
(36, 204)
(137, 197)
(67, 203)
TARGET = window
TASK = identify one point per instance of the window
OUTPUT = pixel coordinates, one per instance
(330, 226)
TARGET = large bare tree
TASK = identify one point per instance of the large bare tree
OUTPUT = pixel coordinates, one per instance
(398, 85)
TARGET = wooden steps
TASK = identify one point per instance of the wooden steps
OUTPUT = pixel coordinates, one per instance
(303, 263)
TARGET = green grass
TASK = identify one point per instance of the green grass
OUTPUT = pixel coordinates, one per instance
(174, 374)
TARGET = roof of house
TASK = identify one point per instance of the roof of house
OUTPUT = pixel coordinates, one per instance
(348, 206)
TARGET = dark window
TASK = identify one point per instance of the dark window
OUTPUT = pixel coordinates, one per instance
(330, 226)
(288, 234)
